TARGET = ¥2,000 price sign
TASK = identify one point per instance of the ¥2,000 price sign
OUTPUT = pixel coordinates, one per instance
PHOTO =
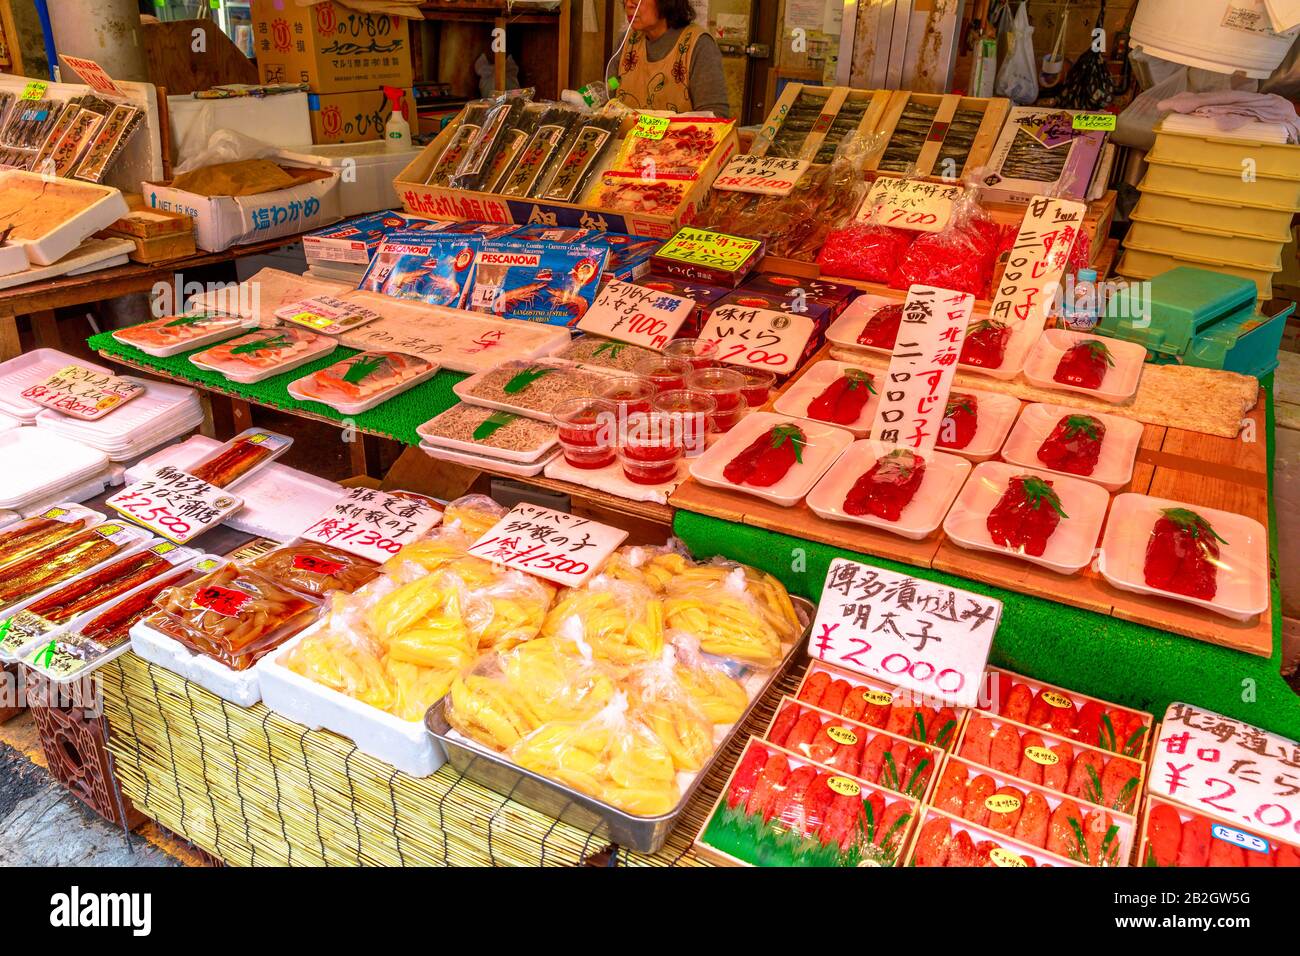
(765, 175)
(374, 524)
(550, 544)
(83, 393)
(632, 313)
(917, 634)
(909, 204)
(757, 338)
(175, 504)
(1036, 262)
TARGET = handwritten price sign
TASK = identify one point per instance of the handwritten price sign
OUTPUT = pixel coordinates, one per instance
(909, 204)
(765, 175)
(94, 75)
(1214, 764)
(635, 314)
(916, 634)
(84, 393)
(757, 338)
(374, 524)
(712, 250)
(550, 544)
(1036, 262)
(175, 504)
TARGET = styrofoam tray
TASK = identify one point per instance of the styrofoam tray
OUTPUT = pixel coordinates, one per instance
(824, 445)
(220, 331)
(405, 744)
(8, 421)
(1119, 447)
(238, 687)
(300, 388)
(61, 239)
(149, 442)
(82, 491)
(513, 468)
(943, 478)
(1071, 545)
(248, 375)
(90, 256)
(160, 405)
(525, 457)
(39, 460)
(796, 399)
(995, 413)
(32, 368)
(464, 388)
(612, 480)
(1242, 579)
(1120, 382)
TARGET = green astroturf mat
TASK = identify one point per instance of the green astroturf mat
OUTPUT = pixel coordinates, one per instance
(397, 418)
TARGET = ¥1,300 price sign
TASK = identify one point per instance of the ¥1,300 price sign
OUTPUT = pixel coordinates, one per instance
(757, 338)
(175, 504)
(909, 204)
(923, 636)
(632, 313)
(765, 175)
(374, 524)
(550, 544)
(83, 393)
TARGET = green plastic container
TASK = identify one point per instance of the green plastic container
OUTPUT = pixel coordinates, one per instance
(1202, 318)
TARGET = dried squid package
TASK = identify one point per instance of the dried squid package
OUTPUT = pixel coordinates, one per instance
(109, 142)
(475, 166)
(826, 198)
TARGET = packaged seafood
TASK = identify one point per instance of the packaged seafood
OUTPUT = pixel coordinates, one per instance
(56, 563)
(1039, 153)
(943, 840)
(30, 122)
(985, 345)
(528, 388)
(866, 251)
(629, 256)
(1026, 515)
(634, 193)
(475, 166)
(109, 142)
(362, 381)
(52, 525)
(546, 282)
(876, 704)
(173, 334)
(713, 258)
(61, 126)
(437, 268)
(605, 353)
(242, 456)
(355, 241)
(583, 150)
(313, 570)
(768, 458)
(475, 429)
(960, 421)
(511, 145)
(1106, 369)
(263, 353)
(1174, 836)
(802, 293)
(833, 392)
(683, 150)
(471, 122)
(702, 294)
(539, 157)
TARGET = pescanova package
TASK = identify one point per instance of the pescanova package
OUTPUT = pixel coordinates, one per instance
(434, 267)
(356, 240)
(538, 281)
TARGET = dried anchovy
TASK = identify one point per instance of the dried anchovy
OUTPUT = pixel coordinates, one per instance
(462, 423)
(796, 126)
(1030, 159)
(592, 350)
(538, 388)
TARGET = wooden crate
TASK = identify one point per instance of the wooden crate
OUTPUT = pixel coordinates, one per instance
(994, 112)
(834, 97)
(158, 234)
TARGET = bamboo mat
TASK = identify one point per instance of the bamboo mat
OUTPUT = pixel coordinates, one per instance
(255, 789)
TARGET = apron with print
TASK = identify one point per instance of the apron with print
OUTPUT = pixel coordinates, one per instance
(658, 84)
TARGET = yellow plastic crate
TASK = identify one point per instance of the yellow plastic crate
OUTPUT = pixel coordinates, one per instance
(1194, 183)
(1204, 243)
(1139, 264)
(1274, 160)
(1271, 224)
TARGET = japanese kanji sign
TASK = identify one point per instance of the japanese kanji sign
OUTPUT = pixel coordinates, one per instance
(713, 250)
(914, 392)
(373, 524)
(94, 75)
(765, 175)
(916, 634)
(175, 504)
(1036, 262)
(635, 314)
(909, 204)
(1224, 767)
(83, 393)
(757, 338)
(327, 314)
(554, 545)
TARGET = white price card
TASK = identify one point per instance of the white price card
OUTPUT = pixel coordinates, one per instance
(175, 504)
(374, 524)
(559, 547)
(632, 313)
(84, 393)
(916, 634)
(1225, 767)
(914, 392)
(1036, 262)
(757, 338)
(909, 204)
(765, 175)
(327, 314)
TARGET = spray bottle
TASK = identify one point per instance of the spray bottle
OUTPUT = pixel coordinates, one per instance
(397, 131)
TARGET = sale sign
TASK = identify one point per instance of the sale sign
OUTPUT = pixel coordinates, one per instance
(914, 394)
(84, 393)
(764, 175)
(1036, 262)
(926, 637)
(175, 504)
(374, 524)
(554, 545)
(909, 204)
(756, 338)
(632, 313)
(710, 250)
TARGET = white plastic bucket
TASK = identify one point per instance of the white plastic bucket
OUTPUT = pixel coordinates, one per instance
(1219, 35)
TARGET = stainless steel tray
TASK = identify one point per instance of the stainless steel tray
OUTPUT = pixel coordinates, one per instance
(644, 834)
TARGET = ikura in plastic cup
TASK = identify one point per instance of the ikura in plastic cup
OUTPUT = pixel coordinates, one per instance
(690, 413)
(699, 354)
(664, 372)
(651, 448)
(587, 429)
(628, 395)
(758, 386)
(725, 386)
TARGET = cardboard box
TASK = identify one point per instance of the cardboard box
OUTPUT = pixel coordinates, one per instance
(224, 221)
(351, 117)
(329, 47)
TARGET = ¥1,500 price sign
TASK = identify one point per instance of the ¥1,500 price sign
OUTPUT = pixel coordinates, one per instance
(373, 524)
(757, 338)
(765, 175)
(550, 544)
(632, 313)
(175, 504)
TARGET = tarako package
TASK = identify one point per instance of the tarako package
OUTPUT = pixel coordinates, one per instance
(437, 268)
(538, 281)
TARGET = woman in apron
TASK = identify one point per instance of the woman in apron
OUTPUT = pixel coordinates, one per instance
(668, 62)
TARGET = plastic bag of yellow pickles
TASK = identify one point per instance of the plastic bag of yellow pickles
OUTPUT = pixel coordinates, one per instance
(735, 611)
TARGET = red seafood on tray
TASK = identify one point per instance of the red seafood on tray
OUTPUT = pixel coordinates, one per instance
(881, 330)
(1074, 445)
(986, 344)
(842, 401)
(888, 486)
(1084, 364)
(1179, 837)
(1026, 515)
(960, 421)
(768, 457)
(1183, 554)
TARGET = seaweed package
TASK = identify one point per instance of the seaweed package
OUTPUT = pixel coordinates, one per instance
(471, 121)
(109, 143)
(540, 154)
(513, 143)
(584, 149)
(474, 167)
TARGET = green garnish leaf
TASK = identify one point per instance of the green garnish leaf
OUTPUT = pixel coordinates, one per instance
(1081, 851)
(945, 734)
(985, 325)
(1151, 857)
(958, 403)
(1189, 521)
(612, 349)
(1093, 793)
(1037, 491)
(258, 345)
(918, 726)
(1109, 848)
(1133, 745)
(892, 770)
(870, 815)
(912, 787)
(1074, 424)
(182, 320)
(525, 378)
(1099, 349)
(858, 377)
(362, 367)
(794, 435)
(492, 423)
(1107, 736)
(1124, 799)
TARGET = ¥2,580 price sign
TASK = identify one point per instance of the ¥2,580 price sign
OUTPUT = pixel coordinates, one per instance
(550, 544)
(765, 175)
(83, 393)
(374, 524)
(757, 338)
(632, 313)
(175, 504)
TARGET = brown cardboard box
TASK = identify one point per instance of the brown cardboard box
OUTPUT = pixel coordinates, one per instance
(352, 117)
(329, 47)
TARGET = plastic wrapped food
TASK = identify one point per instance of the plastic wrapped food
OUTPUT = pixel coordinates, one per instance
(949, 259)
(1084, 364)
(1074, 445)
(864, 251)
(734, 611)
(720, 697)
(532, 387)
(92, 590)
(473, 514)
(660, 700)
(605, 353)
(1026, 515)
(582, 153)
(262, 353)
(1183, 555)
(362, 379)
(888, 486)
(684, 148)
(509, 434)
(471, 123)
(232, 615)
(621, 622)
(113, 625)
(30, 535)
(768, 458)
(475, 165)
(881, 328)
(61, 561)
(630, 192)
(541, 154)
(235, 460)
(650, 567)
(315, 569)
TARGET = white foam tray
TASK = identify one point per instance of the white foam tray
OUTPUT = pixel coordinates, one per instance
(405, 744)
(513, 468)
(91, 256)
(32, 368)
(612, 480)
(40, 460)
(238, 687)
(60, 240)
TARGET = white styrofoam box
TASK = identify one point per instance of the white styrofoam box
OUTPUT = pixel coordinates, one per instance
(8, 421)
(104, 206)
(81, 491)
(238, 687)
(373, 165)
(91, 256)
(40, 459)
(405, 744)
(159, 407)
(12, 259)
(31, 368)
(280, 120)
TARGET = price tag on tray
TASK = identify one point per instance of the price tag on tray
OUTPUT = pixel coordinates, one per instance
(909, 204)
(83, 393)
(550, 544)
(175, 504)
(1036, 262)
(765, 175)
(916, 634)
(651, 127)
(757, 338)
(374, 524)
(327, 314)
(632, 313)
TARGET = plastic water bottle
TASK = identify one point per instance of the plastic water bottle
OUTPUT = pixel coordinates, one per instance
(1080, 311)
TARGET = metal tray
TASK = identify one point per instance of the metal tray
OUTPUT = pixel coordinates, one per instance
(643, 834)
